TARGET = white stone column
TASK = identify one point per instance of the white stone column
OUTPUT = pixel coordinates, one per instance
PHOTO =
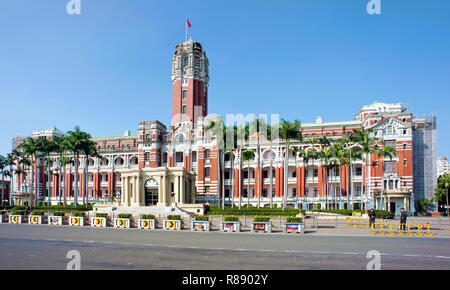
(182, 194)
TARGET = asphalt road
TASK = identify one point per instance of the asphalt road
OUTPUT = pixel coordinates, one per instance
(45, 247)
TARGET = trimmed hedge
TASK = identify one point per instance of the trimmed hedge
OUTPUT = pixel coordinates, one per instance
(252, 211)
(124, 215)
(229, 218)
(261, 219)
(201, 218)
(57, 207)
(38, 212)
(294, 220)
(383, 214)
(2, 212)
(58, 213)
(147, 217)
(174, 217)
(380, 213)
(78, 213)
(101, 215)
(19, 212)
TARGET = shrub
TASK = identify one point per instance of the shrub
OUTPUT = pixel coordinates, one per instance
(101, 215)
(78, 213)
(382, 214)
(147, 217)
(38, 212)
(261, 219)
(58, 213)
(124, 215)
(201, 218)
(252, 211)
(318, 205)
(294, 219)
(229, 218)
(2, 212)
(174, 217)
(19, 212)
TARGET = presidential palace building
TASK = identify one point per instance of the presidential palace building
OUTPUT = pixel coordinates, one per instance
(179, 165)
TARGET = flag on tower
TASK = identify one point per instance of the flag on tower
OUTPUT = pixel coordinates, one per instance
(188, 23)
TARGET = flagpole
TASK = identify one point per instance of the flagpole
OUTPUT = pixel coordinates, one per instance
(186, 28)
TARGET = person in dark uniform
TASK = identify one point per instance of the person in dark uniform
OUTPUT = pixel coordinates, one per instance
(403, 216)
(372, 217)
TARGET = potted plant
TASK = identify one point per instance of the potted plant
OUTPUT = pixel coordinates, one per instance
(56, 218)
(200, 223)
(35, 218)
(146, 221)
(99, 220)
(230, 224)
(172, 222)
(77, 219)
(123, 220)
(294, 225)
(261, 224)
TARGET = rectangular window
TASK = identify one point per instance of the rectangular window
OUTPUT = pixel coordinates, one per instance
(184, 94)
(390, 167)
(315, 172)
(207, 154)
(391, 143)
(184, 110)
(405, 162)
(194, 156)
(207, 172)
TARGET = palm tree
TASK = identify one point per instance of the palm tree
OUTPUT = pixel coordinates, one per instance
(60, 148)
(364, 138)
(89, 150)
(64, 161)
(3, 165)
(74, 143)
(288, 131)
(22, 169)
(296, 151)
(248, 155)
(48, 146)
(12, 158)
(325, 154)
(31, 149)
(444, 183)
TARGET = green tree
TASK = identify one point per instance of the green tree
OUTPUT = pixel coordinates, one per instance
(288, 131)
(75, 141)
(444, 183)
(248, 155)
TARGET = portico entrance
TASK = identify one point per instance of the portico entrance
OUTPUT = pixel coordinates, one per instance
(151, 192)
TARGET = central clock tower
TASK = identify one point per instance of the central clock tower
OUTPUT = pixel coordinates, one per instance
(190, 78)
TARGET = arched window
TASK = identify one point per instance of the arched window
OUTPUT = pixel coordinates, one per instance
(186, 61)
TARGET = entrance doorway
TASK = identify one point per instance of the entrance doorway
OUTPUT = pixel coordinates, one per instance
(392, 207)
(151, 192)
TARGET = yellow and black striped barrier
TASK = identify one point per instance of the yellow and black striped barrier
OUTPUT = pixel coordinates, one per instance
(399, 229)
(358, 222)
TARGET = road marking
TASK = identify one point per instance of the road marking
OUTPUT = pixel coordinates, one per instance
(240, 250)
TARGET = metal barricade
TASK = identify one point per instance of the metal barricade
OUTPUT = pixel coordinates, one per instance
(401, 230)
(358, 222)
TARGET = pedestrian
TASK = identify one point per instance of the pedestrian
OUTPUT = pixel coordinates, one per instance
(403, 216)
(372, 217)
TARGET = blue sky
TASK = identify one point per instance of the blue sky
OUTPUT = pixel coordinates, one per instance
(109, 68)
